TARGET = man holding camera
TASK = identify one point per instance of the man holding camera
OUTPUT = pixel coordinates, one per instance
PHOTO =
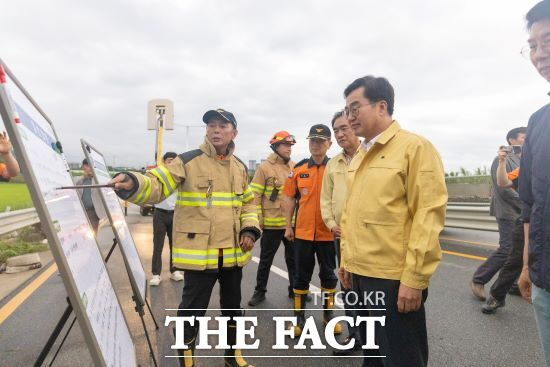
(512, 266)
(506, 207)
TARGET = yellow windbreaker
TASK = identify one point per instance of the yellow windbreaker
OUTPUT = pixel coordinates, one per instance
(214, 206)
(270, 176)
(395, 210)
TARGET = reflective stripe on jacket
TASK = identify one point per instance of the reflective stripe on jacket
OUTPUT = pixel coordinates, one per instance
(271, 175)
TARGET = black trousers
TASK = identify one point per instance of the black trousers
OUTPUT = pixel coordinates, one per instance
(513, 265)
(496, 260)
(404, 339)
(94, 219)
(346, 299)
(162, 226)
(304, 255)
(269, 244)
(197, 289)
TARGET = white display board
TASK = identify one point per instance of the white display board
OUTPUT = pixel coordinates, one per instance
(116, 217)
(69, 233)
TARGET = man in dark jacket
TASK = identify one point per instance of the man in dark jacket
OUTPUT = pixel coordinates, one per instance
(534, 184)
(506, 207)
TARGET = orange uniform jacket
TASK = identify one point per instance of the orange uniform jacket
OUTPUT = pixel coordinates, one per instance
(2, 169)
(304, 184)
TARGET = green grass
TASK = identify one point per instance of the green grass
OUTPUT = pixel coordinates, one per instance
(16, 248)
(25, 241)
(14, 195)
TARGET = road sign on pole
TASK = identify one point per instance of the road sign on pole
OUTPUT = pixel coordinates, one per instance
(160, 117)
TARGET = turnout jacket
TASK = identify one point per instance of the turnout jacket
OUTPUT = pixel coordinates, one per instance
(214, 206)
(268, 185)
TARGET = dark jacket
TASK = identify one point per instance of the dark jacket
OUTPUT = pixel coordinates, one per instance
(534, 191)
(505, 202)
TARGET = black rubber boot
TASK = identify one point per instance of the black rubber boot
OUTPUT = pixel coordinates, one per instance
(234, 357)
(300, 298)
(328, 307)
(186, 355)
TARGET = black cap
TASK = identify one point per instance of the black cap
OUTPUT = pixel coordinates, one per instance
(220, 113)
(319, 131)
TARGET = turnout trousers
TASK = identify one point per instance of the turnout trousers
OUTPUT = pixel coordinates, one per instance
(197, 289)
(269, 244)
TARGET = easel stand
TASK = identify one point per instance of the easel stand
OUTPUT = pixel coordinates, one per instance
(63, 320)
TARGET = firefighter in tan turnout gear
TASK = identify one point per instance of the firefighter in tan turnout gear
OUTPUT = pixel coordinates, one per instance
(267, 185)
(215, 223)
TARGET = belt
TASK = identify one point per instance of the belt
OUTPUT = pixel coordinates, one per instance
(164, 210)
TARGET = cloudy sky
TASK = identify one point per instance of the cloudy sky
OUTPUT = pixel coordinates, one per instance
(94, 65)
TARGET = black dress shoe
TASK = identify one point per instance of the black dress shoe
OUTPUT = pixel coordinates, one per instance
(347, 352)
(491, 306)
(257, 298)
(514, 290)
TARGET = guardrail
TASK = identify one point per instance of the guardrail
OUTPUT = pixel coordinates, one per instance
(459, 215)
(12, 221)
(470, 216)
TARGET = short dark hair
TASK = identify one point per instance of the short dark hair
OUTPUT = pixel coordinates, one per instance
(376, 89)
(85, 162)
(336, 116)
(537, 13)
(169, 155)
(513, 134)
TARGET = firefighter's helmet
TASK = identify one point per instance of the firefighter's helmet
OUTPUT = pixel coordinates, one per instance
(282, 137)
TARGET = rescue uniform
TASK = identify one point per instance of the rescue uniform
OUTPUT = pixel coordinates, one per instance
(2, 169)
(312, 238)
(214, 208)
(267, 185)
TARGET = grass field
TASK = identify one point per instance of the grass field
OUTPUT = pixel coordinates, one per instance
(27, 240)
(14, 195)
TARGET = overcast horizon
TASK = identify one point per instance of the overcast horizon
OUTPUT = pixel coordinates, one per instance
(458, 75)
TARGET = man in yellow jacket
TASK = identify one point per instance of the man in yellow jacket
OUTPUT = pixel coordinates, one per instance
(215, 222)
(268, 184)
(393, 215)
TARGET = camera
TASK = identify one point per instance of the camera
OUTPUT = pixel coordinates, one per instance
(516, 149)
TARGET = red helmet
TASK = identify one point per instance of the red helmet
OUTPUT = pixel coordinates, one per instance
(282, 137)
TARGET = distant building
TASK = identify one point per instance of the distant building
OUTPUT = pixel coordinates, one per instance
(252, 164)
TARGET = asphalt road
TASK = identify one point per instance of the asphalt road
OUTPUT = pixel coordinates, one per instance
(459, 334)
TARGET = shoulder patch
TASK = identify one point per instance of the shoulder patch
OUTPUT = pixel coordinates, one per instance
(301, 163)
(190, 155)
(244, 165)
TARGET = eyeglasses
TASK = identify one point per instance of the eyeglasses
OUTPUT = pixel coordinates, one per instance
(354, 109)
(531, 48)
